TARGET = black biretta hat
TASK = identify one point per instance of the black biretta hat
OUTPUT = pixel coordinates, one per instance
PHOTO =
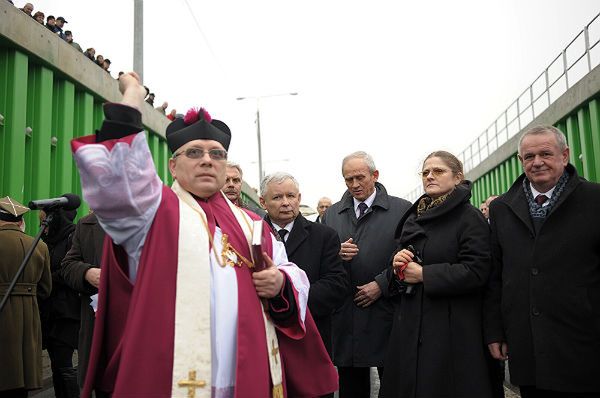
(197, 125)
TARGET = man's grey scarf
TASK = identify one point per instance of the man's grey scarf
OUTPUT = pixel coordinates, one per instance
(539, 211)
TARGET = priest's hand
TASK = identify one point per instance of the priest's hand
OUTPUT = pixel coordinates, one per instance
(268, 282)
(132, 89)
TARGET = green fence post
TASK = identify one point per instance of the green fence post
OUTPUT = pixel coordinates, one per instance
(84, 125)
(64, 129)
(594, 107)
(587, 148)
(13, 137)
(572, 131)
(38, 144)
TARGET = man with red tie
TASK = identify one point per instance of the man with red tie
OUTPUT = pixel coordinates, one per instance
(543, 303)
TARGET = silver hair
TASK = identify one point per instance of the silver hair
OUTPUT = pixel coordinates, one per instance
(236, 166)
(361, 155)
(276, 178)
(561, 140)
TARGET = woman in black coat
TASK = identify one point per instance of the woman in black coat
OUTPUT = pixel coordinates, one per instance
(60, 312)
(436, 347)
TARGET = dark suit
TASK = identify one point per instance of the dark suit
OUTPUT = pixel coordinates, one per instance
(315, 248)
(85, 253)
(544, 295)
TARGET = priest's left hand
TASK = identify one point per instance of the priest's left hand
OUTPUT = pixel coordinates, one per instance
(268, 282)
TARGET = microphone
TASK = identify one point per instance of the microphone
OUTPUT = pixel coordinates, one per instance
(68, 201)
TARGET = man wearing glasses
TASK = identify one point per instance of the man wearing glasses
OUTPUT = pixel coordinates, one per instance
(182, 308)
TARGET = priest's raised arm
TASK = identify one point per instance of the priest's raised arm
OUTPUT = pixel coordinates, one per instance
(178, 298)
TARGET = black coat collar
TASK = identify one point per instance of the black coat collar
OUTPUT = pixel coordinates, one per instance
(411, 226)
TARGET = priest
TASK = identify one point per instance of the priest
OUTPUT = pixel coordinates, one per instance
(183, 309)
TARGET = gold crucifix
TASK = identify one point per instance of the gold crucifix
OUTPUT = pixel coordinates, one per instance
(274, 351)
(192, 384)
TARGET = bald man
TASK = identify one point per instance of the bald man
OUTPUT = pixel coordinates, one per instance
(324, 204)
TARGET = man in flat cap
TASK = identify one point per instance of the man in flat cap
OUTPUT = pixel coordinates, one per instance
(20, 330)
(182, 306)
(60, 23)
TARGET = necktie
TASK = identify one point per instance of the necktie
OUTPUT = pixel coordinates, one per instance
(540, 199)
(362, 207)
(282, 233)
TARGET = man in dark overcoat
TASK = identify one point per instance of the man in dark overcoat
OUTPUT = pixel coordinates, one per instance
(81, 272)
(20, 328)
(312, 246)
(543, 304)
(365, 219)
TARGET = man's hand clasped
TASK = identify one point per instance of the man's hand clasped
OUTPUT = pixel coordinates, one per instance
(348, 250)
(367, 294)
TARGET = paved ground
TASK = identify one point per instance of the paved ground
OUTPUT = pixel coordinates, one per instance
(49, 392)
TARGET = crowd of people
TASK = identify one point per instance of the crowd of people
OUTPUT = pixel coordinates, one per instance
(199, 290)
(56, 25)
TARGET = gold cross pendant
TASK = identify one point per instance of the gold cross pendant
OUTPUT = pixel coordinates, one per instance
(228, 256)
(192, 384)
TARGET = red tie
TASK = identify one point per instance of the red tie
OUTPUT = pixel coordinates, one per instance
(541, 199)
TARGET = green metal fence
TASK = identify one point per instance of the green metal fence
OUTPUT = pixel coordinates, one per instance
(42, 110)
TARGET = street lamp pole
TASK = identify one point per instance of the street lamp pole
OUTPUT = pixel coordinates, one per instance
(258, 137)
(260, 164)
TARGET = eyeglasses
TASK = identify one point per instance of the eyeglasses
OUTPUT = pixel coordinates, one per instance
(436, 171)
(197, 153)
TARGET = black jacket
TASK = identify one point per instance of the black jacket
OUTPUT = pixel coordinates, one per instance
(315, 248)
(544, 298)
(436, 346)
(85, 253)
(59, 313)
(360, 335)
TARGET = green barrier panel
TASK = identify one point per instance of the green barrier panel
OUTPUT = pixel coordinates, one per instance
(571, 130)
(594, 110)
(64, 131)
(38, 141)
(585, 139)
(15, 66)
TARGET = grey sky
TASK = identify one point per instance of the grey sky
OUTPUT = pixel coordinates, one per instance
(397, 79)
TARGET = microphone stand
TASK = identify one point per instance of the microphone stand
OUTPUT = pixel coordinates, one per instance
(11, 287)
